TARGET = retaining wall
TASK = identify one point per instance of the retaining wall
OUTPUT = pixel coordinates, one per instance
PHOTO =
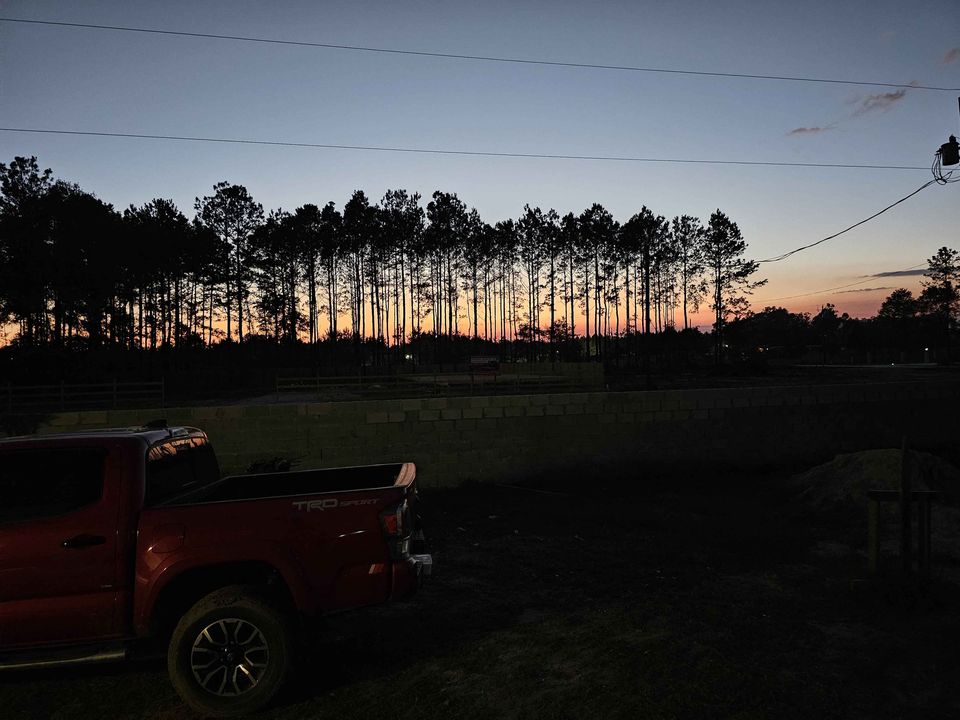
(506, 438)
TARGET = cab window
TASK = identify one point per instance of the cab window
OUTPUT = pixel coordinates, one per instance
(45, 483)
(178, 465)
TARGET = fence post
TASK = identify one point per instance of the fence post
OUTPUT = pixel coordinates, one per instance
(923, 537)
(163, 392)
(906, 549)
(63, 401)
(114, 393)
(873, 536)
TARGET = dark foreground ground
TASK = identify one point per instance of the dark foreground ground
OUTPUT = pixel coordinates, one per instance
(724, 599)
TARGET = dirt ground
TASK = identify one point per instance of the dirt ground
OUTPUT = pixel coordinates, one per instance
(625, 598)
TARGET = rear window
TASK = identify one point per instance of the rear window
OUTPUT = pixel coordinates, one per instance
(46, 483)
(178, 465)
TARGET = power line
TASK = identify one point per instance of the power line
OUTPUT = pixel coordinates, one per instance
(436, 151)
(839, 287)
(785, 255)
(482, 58)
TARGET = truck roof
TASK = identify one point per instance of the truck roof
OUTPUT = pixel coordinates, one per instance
(148, 435)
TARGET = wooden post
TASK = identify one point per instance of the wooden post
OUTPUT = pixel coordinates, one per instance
(923, 537)
(906, 550)
(873, 534)
(924, 500)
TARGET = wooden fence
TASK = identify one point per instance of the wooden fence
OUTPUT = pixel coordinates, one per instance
(89, 396)
(413, 385)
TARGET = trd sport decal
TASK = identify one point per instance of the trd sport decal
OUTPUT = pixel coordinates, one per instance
(330, 504)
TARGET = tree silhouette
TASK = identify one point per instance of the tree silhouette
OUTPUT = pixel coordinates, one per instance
(360, 223)
(568, 241)
(900, 305)
(330, 248)
(687, 236)
(163, 242)
(206, 275)
(728, 273)
(276, 252)
(773, 328)
(597, 234)
(22, 184)
(233, 215)
(941, 288)
(305, 224)
(24, 220)
(552, 252)
(446, 230)
(827, 324)
(941, 291)
(402, 223)
(506, 242)
(531, 233)
(477, 254)
(645, 235)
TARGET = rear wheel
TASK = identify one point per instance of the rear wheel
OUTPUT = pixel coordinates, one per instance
(230, 653)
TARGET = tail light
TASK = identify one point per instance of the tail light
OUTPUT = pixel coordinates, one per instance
(397, 526)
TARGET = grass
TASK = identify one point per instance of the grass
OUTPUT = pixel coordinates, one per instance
(716, 599)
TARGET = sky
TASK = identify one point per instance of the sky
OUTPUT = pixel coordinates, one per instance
(107, 81)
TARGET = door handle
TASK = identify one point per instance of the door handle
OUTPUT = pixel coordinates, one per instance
(78, 542)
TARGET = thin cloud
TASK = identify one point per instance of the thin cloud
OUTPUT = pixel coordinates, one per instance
(879, 102)
(951, 56)
(899, 273)
(816, 130)
(863, 290)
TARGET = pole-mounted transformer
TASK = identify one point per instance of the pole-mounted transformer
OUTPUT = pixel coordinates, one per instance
(946, 156)
(950, 152)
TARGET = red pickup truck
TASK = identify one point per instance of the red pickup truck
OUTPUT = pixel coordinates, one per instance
(112, 537)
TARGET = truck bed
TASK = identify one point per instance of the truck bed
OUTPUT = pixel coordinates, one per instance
(286, 484)
(320, 529)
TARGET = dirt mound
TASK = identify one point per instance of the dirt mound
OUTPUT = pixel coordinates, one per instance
(842, 483)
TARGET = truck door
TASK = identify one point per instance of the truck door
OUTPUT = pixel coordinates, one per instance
(58, 544)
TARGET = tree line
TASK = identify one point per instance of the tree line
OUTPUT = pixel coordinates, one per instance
(75, 272)
(391, 271)
(906, 328)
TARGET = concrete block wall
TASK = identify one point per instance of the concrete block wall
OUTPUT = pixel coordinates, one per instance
(508, 438)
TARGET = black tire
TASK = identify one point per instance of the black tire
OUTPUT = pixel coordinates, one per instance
(248, 643)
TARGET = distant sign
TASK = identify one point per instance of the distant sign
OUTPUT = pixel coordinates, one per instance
(484, 365)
